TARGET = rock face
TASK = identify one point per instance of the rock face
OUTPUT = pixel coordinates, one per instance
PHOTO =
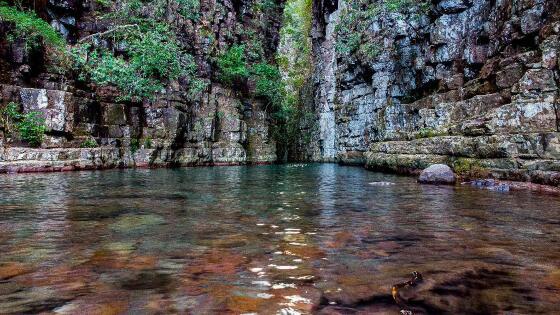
(224, 126)
(437, 174)
(473, 80)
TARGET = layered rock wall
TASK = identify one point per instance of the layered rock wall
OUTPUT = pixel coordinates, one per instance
(468, 80)
(223, 126)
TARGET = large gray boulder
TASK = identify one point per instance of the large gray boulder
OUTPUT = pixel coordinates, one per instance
(437, 174)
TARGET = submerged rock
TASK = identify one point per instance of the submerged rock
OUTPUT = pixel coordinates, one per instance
(490, 184)
(437, 174)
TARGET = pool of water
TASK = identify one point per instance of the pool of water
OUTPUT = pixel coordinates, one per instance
(316, 238)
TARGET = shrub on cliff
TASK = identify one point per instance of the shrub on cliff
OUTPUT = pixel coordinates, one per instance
(25, 28)
(30, 126)
(354, 35)
(232, 65)
(29, 27)
(150, 57)
(268, 84)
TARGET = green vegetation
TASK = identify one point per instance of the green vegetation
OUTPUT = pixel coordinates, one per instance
(139, 53)
(428, 133)
(189, 9)
(89, 143)
(295, 65)
(469, 168)
(353, 33)
(8, 117)
(268, 84)
(30, 126)
(138, 11)
(134, 145)
(263, 5)
(234, 70)
(233, 65)
(152, 58)
(144, 54)
(148, 143)
(29, 27)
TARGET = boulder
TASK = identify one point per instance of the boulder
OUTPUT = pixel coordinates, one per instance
(437, 174)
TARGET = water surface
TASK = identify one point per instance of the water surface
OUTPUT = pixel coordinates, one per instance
(271, 239)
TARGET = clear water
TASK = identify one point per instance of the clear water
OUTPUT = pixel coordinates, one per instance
(271, 239)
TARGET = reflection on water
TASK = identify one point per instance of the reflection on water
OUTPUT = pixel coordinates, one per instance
(272, 239)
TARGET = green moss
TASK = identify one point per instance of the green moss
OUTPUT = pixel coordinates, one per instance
(469, 168)
(428, 133)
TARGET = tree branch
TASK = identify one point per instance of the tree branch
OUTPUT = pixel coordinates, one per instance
(101, 34)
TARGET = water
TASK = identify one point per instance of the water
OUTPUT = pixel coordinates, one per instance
(271, 239)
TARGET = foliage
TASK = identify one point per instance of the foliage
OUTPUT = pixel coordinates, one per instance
(348, 44)
(8, 116)
(34, 33)
(134, 145)
(268, 84)
(233, 68)
(428, 133)
(134, 11)
(264, 5)
(30, 126)
(89, 143)
(370, 50)
(233, 65)
(148, 143)
(295, 66)
(353, 30)
(29, 27)
(140, 52)
(189, 9)
(104, 3)
(152, 57)
(470, 168)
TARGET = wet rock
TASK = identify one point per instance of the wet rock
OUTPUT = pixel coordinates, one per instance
(462, 75)
(437, 174)
(490, 184)
(133, 223)
(13, 269)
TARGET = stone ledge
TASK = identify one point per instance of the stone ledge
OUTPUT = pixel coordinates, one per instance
(32, 160)
(545, 172)
(526, 146)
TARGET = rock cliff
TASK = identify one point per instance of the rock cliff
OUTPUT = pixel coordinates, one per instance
(468, 83)
(223, 126)
(396, 85)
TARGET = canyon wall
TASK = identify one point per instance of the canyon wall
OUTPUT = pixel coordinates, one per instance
(465, 82)
(223, 126)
